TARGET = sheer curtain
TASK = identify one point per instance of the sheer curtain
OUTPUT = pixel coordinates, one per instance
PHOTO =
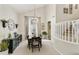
(31, 26)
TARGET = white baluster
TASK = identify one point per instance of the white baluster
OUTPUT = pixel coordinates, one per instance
(54, 33)
(68, 31)
(65, 30)
(62, 31)
(72, 32)
(77, 33)
(59, 31)
(56, 30)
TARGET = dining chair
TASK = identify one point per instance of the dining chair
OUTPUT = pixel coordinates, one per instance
(29, 42)
(35, 43)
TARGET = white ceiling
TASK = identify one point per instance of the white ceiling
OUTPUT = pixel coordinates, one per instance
(25, 7)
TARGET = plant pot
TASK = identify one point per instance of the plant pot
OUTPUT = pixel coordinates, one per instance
(44, 37)
(4, 52)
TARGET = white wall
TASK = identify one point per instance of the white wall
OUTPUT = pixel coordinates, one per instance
(51, 16)
(47, 13)
(40, 12)
(50, 11)
(21, 27)
(60, 16)
(6, 12)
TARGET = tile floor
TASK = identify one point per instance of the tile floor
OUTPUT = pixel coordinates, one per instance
(47, 49)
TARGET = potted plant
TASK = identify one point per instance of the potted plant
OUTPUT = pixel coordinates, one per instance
(4, 46)
(9, 35)
(44, 33)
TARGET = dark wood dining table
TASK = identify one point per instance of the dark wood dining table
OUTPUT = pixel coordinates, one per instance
(33, 40)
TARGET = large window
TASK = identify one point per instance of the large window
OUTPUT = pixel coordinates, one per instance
(33, 26)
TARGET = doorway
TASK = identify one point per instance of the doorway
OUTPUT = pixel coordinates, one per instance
(49, 30)
(32, 25)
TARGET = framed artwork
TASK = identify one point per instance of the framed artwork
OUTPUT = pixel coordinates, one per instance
(4, 22)
(76, 6)
(70, 8)
(11, 24)
(43, 26)
(65, 10)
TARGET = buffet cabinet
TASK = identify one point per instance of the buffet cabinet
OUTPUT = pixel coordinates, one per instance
(14, 43)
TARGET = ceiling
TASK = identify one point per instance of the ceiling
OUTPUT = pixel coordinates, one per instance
(25, 7)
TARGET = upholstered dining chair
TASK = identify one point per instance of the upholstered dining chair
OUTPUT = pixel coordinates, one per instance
(35, 43)
(29, 42)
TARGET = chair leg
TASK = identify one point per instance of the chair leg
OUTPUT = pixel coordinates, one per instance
(39, 47)
(32, 48)
(40, 44)
(29, 46)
